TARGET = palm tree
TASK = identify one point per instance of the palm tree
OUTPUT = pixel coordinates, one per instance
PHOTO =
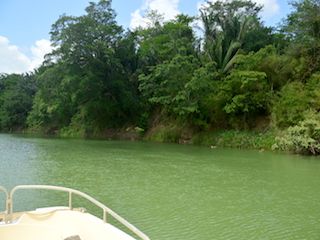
(225, 26)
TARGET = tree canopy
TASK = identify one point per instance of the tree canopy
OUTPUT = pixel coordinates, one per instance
(88, 83)
(100, 76)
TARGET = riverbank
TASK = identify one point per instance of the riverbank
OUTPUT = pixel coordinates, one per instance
(213, 139)
(161, 133)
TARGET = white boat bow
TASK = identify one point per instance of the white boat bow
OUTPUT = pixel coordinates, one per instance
(60, 223)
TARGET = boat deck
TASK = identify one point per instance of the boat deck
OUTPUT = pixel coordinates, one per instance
(15, 216)
(57, 223)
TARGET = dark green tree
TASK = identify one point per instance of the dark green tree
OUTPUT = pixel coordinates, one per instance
(162, 41)
(16, 96)
(258, 38)
(89, 81)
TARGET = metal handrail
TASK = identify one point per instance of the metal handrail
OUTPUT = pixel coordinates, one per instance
(71, 191)
(7, 202)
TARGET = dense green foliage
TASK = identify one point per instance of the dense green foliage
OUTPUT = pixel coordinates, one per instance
(88, 83)
(237, 73)
(16, 98)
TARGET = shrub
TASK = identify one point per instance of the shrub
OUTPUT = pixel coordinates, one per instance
(289, 105)
(303, 138)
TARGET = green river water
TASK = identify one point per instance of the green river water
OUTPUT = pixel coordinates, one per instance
(172, 191)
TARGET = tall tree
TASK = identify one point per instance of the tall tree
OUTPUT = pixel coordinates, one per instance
(302, 26)
(90, 71)
(162, 41)
(303, 23)
(225, 27)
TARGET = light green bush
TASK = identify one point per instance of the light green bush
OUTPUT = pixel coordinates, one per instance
(303, 138)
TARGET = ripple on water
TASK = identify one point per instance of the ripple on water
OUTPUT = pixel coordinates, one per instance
(177, 192)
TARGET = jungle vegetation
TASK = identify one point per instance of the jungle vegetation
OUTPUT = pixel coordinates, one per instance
(220, 80)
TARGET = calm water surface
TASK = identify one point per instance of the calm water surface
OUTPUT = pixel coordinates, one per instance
(172, 191)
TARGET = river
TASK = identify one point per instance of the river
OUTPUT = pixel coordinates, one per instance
(172, 191)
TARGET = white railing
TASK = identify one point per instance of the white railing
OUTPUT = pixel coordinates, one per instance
(7, 203)
(106, 210)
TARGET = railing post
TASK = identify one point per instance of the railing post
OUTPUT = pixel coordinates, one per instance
(104, 216)
(70, 200)
(7, 213)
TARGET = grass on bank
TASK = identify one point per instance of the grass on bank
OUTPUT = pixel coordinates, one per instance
(236, 139)
(223, 138)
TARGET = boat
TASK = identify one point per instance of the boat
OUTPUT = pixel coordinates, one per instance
(61, 223)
